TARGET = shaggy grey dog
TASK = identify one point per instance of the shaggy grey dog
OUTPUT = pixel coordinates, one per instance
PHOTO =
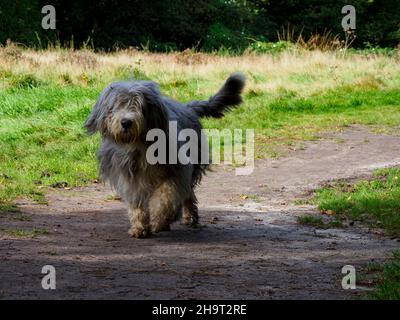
(156, 194)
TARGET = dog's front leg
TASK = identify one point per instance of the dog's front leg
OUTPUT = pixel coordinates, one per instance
(164, 207)
(140, 222)
(191, 212)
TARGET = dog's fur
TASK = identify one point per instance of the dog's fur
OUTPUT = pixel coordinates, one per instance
(156, 194)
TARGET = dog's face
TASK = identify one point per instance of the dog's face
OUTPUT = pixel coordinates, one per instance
(125, 112)
(125, 122)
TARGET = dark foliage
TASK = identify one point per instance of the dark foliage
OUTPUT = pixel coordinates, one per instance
(162, 25)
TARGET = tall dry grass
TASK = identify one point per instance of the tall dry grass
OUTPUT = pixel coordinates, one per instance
(305, 72)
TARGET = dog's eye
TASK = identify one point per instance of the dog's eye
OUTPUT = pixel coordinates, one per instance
(121, 105)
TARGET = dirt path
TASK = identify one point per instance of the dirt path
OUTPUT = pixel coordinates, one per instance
(250, 247)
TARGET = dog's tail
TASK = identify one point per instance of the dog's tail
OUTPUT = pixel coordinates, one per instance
(227, 98)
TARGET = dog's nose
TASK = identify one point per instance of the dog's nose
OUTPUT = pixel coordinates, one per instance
(126, 123)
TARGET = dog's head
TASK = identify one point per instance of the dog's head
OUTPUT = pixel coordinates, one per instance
(125, 111)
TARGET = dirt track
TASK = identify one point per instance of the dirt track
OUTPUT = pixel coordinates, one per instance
(250, 247)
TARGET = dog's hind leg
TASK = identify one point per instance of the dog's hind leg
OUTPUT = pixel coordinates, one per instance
(164, 206)
(191, 212)
(140, 222)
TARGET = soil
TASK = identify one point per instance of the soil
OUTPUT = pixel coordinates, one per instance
(250, 245)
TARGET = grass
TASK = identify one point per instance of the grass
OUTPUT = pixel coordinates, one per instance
(22, 233)
(387, 284)
(46, 95)
(9, 207)
(21, 217)
(318, 222)
(375, 202)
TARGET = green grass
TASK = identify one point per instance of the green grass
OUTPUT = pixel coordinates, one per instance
(282, 119)
(43, 142)
(21, 217)
(318, 222)
(375, 202)
(387, 285)
(42, 139)
(22, 233)
(9, 207)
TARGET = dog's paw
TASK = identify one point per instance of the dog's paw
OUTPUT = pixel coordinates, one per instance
(190, 221)
(197, 225)
(136, 232)
(192, 224)
(160, 228)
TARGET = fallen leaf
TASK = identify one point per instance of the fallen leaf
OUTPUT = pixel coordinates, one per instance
(328, 212)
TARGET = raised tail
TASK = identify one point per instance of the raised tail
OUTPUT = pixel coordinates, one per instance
(227, 98)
